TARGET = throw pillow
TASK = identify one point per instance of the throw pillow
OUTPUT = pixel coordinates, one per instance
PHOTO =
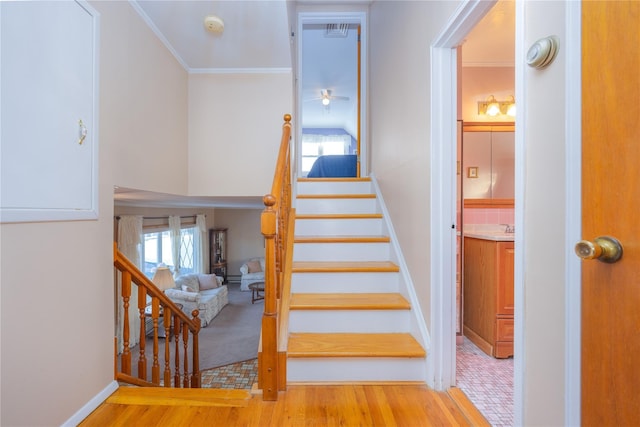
(207, 281)
(254, 266)
(187, 288)
(190, 280)
(181, 295)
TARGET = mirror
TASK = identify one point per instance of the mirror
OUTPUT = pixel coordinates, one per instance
(488, 163)
(328, 91)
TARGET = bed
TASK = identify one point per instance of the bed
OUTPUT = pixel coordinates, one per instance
(334, 166)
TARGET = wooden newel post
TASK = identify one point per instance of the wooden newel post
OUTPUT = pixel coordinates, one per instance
(269, 365)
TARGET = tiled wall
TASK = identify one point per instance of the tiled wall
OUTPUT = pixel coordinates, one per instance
(488, 216)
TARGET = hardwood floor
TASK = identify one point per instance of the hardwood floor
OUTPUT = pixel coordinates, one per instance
(317, 405)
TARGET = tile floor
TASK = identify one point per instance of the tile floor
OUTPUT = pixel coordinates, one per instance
(239, 375)
(487, 382)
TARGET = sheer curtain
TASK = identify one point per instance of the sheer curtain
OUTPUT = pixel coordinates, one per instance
(200, 252)
(174, 229)
(321, 140)
(130, 244)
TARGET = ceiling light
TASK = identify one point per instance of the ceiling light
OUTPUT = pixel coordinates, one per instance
(325, 100)
(214, 24)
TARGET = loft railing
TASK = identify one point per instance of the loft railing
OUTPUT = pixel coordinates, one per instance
(276, 227)
(166, 317)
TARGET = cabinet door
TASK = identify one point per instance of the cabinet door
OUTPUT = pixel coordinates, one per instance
(505, 268)
(49, 97)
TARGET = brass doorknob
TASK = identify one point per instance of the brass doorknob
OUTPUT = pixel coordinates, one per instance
(604, 248)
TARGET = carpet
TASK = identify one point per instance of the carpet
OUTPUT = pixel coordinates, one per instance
(232, 336)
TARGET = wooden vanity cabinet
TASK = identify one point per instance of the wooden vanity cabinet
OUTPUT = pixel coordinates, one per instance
(488, 295)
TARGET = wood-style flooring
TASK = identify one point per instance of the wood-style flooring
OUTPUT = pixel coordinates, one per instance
(301, 405)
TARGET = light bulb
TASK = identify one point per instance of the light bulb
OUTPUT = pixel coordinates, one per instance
(325, 101)
(493, 109)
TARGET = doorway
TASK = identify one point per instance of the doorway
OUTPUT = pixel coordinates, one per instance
(445, 105)
(331, 76)
(485, 279)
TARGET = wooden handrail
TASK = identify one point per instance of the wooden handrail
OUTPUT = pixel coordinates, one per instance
(274, 222)
(173, 320)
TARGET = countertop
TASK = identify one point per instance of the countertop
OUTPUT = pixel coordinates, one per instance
(498, 236)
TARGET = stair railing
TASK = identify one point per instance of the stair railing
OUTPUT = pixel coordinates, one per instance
(166, 317)
(274, 223)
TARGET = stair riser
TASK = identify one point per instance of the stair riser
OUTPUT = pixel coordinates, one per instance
(339, 227)
(325, 187)
(355, 369)
(335, 206)
(344, 282)
(360, 321)
(341, 252)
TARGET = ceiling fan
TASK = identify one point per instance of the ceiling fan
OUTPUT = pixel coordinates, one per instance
(326, 97)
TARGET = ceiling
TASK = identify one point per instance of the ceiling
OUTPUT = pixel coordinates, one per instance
(132, 197)
(491, 43)
(256, 33)
(256, 39)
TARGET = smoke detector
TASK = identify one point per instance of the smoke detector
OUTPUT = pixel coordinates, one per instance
(214, 24)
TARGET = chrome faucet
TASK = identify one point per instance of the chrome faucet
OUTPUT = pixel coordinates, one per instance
(508, 228)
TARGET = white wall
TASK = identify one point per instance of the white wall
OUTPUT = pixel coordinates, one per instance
(143, 114)
(57, 277)
(545, 254)
(233, 144)
(400, 36)
(244, 239)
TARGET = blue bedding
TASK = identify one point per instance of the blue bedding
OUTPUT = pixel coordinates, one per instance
(334, 166)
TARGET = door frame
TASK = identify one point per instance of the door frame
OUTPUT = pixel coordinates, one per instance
(359, 18)
(441, 366)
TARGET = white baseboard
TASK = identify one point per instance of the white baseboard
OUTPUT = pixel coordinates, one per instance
(91, 405)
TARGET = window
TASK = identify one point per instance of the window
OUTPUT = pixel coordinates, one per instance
(314, 146)
(157, 249)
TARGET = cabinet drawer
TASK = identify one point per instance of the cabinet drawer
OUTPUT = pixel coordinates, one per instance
(504, 330)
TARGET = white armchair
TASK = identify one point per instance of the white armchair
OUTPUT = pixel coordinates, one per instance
(252, 271)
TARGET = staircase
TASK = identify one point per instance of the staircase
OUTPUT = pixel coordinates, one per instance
(350, 316)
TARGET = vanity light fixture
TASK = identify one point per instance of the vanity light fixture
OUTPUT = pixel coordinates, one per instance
(492, 107)
(510, 106)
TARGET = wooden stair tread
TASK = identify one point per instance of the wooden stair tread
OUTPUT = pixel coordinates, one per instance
(340, 216)
(355, 301)
(341, 239)
(344, 267)
(340, 179)
(337, 196)
(353, 345)
(163, 396)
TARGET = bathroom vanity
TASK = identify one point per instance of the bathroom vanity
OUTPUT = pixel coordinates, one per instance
(488, 291)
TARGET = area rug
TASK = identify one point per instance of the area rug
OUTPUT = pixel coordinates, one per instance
(241, 375)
